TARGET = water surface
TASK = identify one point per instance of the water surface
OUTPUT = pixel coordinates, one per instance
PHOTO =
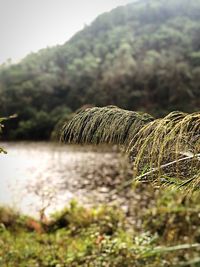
(47, 175)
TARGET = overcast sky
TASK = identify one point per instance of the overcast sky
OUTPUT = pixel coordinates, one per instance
(29, 25)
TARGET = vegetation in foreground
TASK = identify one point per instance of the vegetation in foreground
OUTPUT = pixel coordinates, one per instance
(162, 151)
(169, 236)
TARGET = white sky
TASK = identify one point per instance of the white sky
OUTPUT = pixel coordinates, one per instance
(29, 25)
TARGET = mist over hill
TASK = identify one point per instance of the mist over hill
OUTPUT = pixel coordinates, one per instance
(142, 56)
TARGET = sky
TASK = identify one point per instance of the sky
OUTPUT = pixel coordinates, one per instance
(29, 25)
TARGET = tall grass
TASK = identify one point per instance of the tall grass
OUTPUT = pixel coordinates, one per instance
(168, 148)
(104, 125)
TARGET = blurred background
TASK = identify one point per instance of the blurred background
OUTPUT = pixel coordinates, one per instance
(141, 56)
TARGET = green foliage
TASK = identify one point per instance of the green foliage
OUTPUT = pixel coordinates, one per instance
(76, 217)
(169, 236)
(143, 56)
(38, 125)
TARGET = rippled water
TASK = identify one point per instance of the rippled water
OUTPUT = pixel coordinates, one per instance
(46, 175)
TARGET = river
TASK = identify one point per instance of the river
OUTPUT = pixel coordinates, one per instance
(42, 175)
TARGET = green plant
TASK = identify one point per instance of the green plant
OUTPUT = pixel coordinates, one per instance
(85, 241)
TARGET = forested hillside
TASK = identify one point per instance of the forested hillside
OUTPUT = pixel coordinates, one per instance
(144, 56)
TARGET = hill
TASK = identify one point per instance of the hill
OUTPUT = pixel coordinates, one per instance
(143, 56)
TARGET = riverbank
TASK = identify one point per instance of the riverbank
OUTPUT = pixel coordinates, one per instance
(78, 236)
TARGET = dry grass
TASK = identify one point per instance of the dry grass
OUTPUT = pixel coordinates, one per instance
(170, 141)
(104, 125)
(168, 148)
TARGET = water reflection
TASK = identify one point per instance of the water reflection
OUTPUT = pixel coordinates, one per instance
(46, 175)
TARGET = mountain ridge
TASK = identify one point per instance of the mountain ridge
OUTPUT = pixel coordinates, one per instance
(142, 56)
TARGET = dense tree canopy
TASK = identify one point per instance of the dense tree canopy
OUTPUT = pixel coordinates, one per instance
(143, 56)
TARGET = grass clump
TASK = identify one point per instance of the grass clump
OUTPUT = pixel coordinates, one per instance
(76, 217)
(104, 125)
(168, 147)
